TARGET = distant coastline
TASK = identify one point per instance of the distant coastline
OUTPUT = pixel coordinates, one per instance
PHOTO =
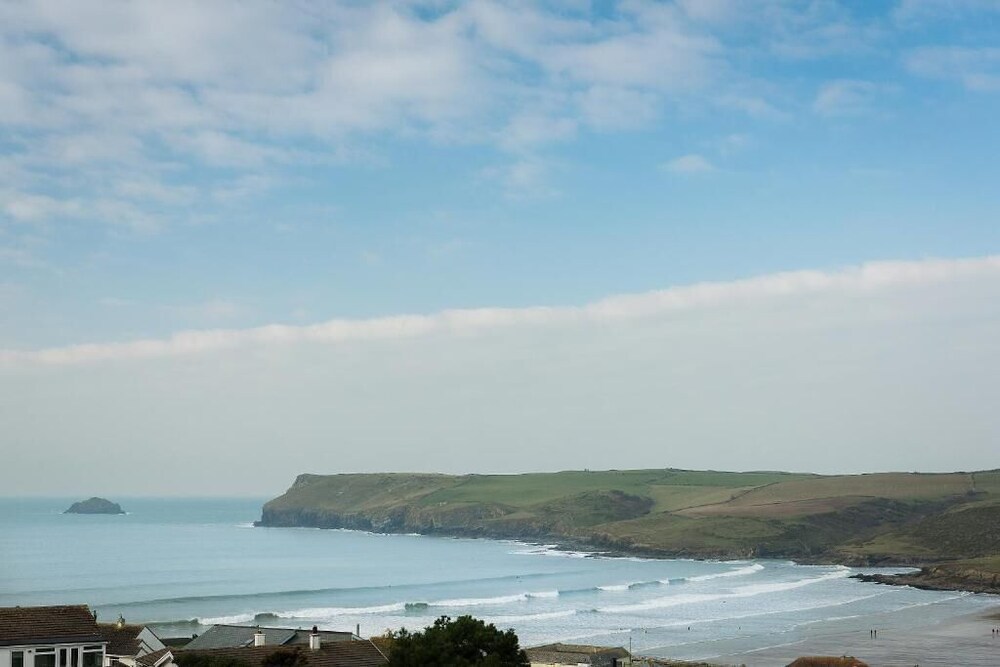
(887, 519)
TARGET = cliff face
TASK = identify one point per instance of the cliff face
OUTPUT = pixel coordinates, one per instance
(891, 518)
(95, 505)
(401, 519)
(363, 504)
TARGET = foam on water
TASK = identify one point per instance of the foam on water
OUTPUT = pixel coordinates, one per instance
(739, 572)
(614, 587)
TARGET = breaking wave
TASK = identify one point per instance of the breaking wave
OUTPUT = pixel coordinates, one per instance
(739, 572)
(749, 590)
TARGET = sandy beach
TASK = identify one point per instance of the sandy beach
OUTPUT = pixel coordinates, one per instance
(966, 641)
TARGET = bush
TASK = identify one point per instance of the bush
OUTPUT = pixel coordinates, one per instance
(463, 642)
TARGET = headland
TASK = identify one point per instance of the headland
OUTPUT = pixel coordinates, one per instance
(900, 519)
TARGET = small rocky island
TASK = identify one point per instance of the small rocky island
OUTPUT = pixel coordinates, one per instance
(95, 505)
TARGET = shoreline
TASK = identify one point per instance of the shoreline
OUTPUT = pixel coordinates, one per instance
(965, 640)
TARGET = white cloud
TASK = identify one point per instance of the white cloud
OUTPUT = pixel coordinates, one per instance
(665, 60)
(39, 208)
(154, 190)
(529, 130)
(524, 178)
(734, 143)
(916, 12)
(977, 69)
(237, 85)
(831, 371)
(863, 280)
(27, 207)
(616, 108)
(846, 97)
(689, 164)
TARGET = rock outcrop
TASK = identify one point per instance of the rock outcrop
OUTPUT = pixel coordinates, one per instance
(95, 505)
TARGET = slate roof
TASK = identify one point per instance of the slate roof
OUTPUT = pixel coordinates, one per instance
(234, 636)
(150, 659)
(302, 636)
(48, 625)
(331, 654)
(123, 640)
(576, 654)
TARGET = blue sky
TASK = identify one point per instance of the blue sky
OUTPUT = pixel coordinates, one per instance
(221, 167)
(162, 171)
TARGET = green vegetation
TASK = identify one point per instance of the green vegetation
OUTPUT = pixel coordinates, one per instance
(878, 518)
(463, 642)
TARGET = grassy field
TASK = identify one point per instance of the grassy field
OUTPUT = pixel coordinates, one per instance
(886, 517)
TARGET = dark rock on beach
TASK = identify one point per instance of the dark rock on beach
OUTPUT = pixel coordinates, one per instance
(977, 577)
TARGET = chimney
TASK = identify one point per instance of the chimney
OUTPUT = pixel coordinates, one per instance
(314, 639)
(258, 637)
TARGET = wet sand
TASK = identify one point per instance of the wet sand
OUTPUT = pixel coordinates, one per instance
(965, 641)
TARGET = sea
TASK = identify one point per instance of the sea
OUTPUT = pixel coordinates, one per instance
(180, 565)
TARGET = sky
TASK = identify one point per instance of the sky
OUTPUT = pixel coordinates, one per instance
(244, 240)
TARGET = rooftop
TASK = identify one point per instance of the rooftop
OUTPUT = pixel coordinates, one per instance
(575, 654)
(235, 636)
(48, 625)
(123, 639)
(331, 654)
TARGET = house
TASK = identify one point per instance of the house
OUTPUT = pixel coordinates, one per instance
(127, 643)
(60, 636)
(578, 655)
(358, 653)
(236, 636)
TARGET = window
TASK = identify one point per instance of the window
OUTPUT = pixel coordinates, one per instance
(45, 658)
(93, 656)
(74, 657)
(17, 659)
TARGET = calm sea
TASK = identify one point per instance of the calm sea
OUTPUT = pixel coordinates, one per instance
(180, 564)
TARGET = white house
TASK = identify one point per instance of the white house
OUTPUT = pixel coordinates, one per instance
(63, 636)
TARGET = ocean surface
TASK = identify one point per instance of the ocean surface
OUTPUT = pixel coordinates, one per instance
(181, 564)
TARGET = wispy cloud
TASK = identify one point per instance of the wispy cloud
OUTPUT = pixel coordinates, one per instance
(866, 279)
(689, 164)
(977, 69)
(847, 97)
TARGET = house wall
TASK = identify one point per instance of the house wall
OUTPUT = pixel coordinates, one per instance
(149, 641)
(29, 652)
